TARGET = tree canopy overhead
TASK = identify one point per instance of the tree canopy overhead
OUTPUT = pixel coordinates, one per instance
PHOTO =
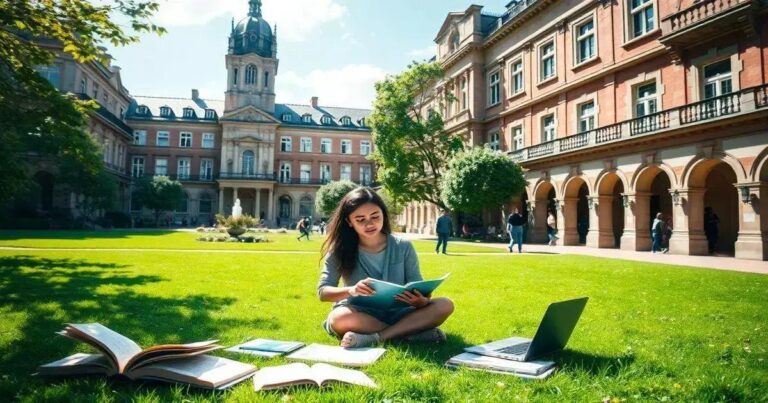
(330, 194)
(34, 116)
(411, 146)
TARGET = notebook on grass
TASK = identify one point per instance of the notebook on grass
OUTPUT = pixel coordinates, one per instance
(266, 347)
(353, 357)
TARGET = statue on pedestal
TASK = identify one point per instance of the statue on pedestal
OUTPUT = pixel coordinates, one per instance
(237, 211)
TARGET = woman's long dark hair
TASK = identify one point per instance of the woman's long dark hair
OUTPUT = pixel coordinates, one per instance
(342, 241)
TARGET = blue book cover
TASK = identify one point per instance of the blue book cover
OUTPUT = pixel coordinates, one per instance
(272, 346)
(384, 298)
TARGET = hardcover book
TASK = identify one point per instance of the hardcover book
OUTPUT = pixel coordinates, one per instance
(384, 297)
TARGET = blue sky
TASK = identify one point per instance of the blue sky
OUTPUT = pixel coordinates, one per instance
(333, 49)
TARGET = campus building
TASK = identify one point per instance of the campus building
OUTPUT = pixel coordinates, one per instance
(618, 110)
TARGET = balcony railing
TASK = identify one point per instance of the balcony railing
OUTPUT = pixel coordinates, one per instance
(248, 176)
(184, 177)
(315, 181)
(697, 13)
(744, 102)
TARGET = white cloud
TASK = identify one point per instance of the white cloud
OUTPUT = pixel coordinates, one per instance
(423, 53)
(349, 86)
(295, 19)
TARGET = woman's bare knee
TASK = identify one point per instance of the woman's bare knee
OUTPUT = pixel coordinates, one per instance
(443, 306)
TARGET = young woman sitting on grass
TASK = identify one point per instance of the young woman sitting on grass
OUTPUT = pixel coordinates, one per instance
(360, 247)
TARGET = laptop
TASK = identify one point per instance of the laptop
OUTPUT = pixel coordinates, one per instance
(554, 331)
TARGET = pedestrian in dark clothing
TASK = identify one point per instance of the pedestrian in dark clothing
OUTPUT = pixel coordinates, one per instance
(443, 228)
(711, 228)
(657, 231)
(515, 224)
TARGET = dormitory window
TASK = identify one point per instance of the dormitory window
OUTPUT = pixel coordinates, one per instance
(642, 17)
(165, 111)
(517, 77)
(346, 146)
(346, 172)
(365, 147)
(548, 128)
(285, 172)
(325, 173)
(361, 122)
(163, 139)
(717, 79)
(287, 117)
(463, 93)
(325, 146)
(585, 41)
(346, 121)
(140, 137)
(250, 75)
(493, 141)
(137, 167)
(161, 166)
(307, 118)
(306, 145)
(547, 60)
(208, 140)
(210, 114)
(365, 175)
(286, 144)
(142, 110)
(645, 99)
(189, 113)
(494, 87)
(517, 137)
(586, 116)
(185, 140)
(206, 169)
(305, 172)
(184, 168)
(326, 120)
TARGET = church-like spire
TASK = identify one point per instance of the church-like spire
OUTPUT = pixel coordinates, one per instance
(255, 10)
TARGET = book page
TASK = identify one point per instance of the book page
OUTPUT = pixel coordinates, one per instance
(117, 346)
(283, 375)
(78, 364)
(328, 373)
(148, 357)
(353, 357)
(384, 297)
(203, 370)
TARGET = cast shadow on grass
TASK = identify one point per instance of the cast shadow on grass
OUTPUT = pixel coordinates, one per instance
(432, 353)
(38, 296)
(591, 364)
(69, 235)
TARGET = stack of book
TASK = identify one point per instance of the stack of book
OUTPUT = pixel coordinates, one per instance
(522, 369)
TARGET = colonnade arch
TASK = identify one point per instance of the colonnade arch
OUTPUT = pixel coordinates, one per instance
(543, 204)
(573, 215)
(607, 214)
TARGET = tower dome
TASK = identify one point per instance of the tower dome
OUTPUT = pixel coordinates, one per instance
(253, 34)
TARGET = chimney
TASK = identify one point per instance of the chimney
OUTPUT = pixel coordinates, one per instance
(195, 94)
(313, 102)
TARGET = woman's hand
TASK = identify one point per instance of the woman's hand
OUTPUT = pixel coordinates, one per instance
(361, 288)
(414, 299)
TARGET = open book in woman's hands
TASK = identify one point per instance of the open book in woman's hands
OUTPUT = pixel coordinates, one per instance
(384, 297)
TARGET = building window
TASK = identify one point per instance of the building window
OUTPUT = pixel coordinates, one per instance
(717, 79)
(206, 169)
(96, 91)
(249, 162)
(287, 117)
(184, 168)
(548, 128)
(189, 113)
(250, 75)
(84, 85)
(365, 175)
(586, 113)
(645, 99)
(50, 73)
(161, 167)
(493, 141)
(185, 140)
(306, 205)
(140, 137)
(365, 147)
(165, 111)
(209, 140)
(517, 137)
(346, 146)
(137, 167)
(517, 77)
(325, 146)
(345, 173)
(306, 145)
(306, 118)
(266, 80)
(547, 60)
(205, 204)
(234, 77)
(642, 17)
(325, 173)
(326, 120)
(346, 121)
(286, 144)
(494, 88)
(361, 122)
(142, 110)
(163, 139)
(463, 93)
(305, 174)
(285, 172)
(585, 41)
(210, 114)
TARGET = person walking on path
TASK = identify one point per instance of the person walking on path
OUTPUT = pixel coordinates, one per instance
(443, 228)
(552, 230)
(657, 232)
(303, 229)
(515, 224)
(711, 228)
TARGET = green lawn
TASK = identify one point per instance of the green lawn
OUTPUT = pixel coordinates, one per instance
(649, 332)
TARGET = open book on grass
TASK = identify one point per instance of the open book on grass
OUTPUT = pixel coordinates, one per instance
(182, 363)
(384, 297)
(351, 357)
(302, 374)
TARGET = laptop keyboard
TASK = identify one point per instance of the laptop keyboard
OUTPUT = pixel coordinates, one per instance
(517, 349)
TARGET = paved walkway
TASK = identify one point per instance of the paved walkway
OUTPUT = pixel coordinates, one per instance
(709, 262)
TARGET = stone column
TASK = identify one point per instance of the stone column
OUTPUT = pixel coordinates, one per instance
(270, 206)
(567, 221)
(688, 223)
(236, 160)
(752, 242)
(637, 235)
(600, 233)
(221, 200)
(257, 204)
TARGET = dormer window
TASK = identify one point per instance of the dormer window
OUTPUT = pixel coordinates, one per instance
(361, 122)
(210, 114)
(307, 118)
(165, 111)
(142, 110)
(189, 113)
(346, 121)
(287, 117)
(326, 120)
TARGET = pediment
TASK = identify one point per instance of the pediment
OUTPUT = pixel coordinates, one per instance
(249, 114)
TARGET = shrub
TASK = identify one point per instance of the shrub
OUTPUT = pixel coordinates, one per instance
(329, 196)
(244, 221)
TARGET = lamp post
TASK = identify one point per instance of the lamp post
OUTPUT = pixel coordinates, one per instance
(625, 200)
(746, 195)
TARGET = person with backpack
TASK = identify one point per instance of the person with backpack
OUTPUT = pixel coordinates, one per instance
(303, 228)
(515, 223)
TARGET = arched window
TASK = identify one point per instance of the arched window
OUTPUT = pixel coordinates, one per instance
(250, 75)
(305, 206)
(249, 162)
(285, 173)
(346, 121)
(326, 120)
(284, 207)
(206, 206)
(184, 204)
(306, 118)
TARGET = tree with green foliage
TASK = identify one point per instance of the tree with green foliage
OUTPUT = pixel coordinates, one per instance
(158, 193)
(35, 118)
(480, 178)
(330, 194)
(393, 206)
(412, 148)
